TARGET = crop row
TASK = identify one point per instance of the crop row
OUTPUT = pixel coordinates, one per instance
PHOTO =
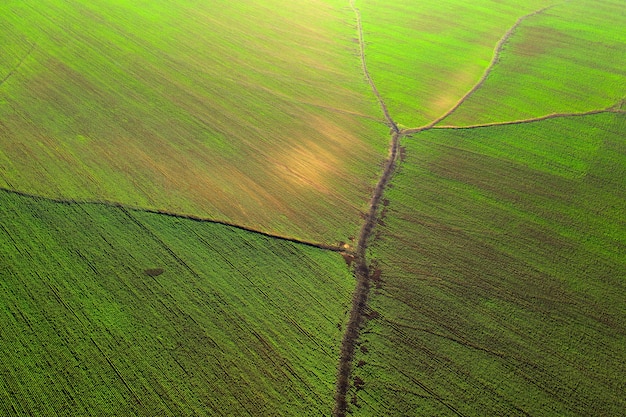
(502, 274)
(240, 114)
(107, 310)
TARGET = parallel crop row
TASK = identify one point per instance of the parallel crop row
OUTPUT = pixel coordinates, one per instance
(106, 310)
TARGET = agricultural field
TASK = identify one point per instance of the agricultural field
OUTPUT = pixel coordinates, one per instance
(109, 311)
(567, 59)
(346, 207)
(253, 113)
(502, 285)
(425, 55)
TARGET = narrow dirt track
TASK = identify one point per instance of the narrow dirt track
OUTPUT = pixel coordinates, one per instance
(494, 61)
(127, 208)
(531, 120)
(366, 72)
(361, 269)
(362, 275)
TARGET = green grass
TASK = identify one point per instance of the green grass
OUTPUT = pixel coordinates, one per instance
(569, 59)
(424, 56)
(237, 324)
(502, 258)
(253, 113)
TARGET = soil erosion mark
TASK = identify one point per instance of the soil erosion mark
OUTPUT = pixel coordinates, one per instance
(361, 269)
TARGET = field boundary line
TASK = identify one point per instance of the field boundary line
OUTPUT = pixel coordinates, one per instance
(362, 275)
(124, 207)
(612, 109)
(497, 52)
(366, 72)
(19, 64)
(361, 269)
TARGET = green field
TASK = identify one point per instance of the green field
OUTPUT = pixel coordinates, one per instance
(171, 170)
(236, 324)
(247, 112)
(568, 59)
(425, 55)
(502, 259)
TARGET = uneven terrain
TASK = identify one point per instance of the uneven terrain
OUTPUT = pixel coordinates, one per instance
(182, 185)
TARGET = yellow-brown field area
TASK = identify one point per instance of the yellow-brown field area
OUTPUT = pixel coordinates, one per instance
(255, 113)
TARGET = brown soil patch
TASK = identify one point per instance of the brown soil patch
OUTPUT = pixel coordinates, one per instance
(154, 272)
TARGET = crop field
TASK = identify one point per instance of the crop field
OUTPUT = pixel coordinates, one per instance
(425, 55)
(312, 207)
(255, 113)
(111, 311)
(568, 59)
(502, 287)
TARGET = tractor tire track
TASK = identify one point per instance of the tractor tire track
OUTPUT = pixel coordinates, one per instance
(19, 64)
(127, 208)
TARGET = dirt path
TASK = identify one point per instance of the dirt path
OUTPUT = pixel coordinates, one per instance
(128, 208)
(361, 269)
(496, 58)
(366, 72)
(362, 275)
(612, 109)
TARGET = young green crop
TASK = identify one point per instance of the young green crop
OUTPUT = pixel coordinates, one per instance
(568, 59)
(107, 311)
(424, 56)
(502, 259)
(253, 113)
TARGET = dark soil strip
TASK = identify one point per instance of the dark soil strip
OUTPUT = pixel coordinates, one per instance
(492, 64)
(361, 292)
(19, 64)
(361, 269)
(381, 102)
(334, 248)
